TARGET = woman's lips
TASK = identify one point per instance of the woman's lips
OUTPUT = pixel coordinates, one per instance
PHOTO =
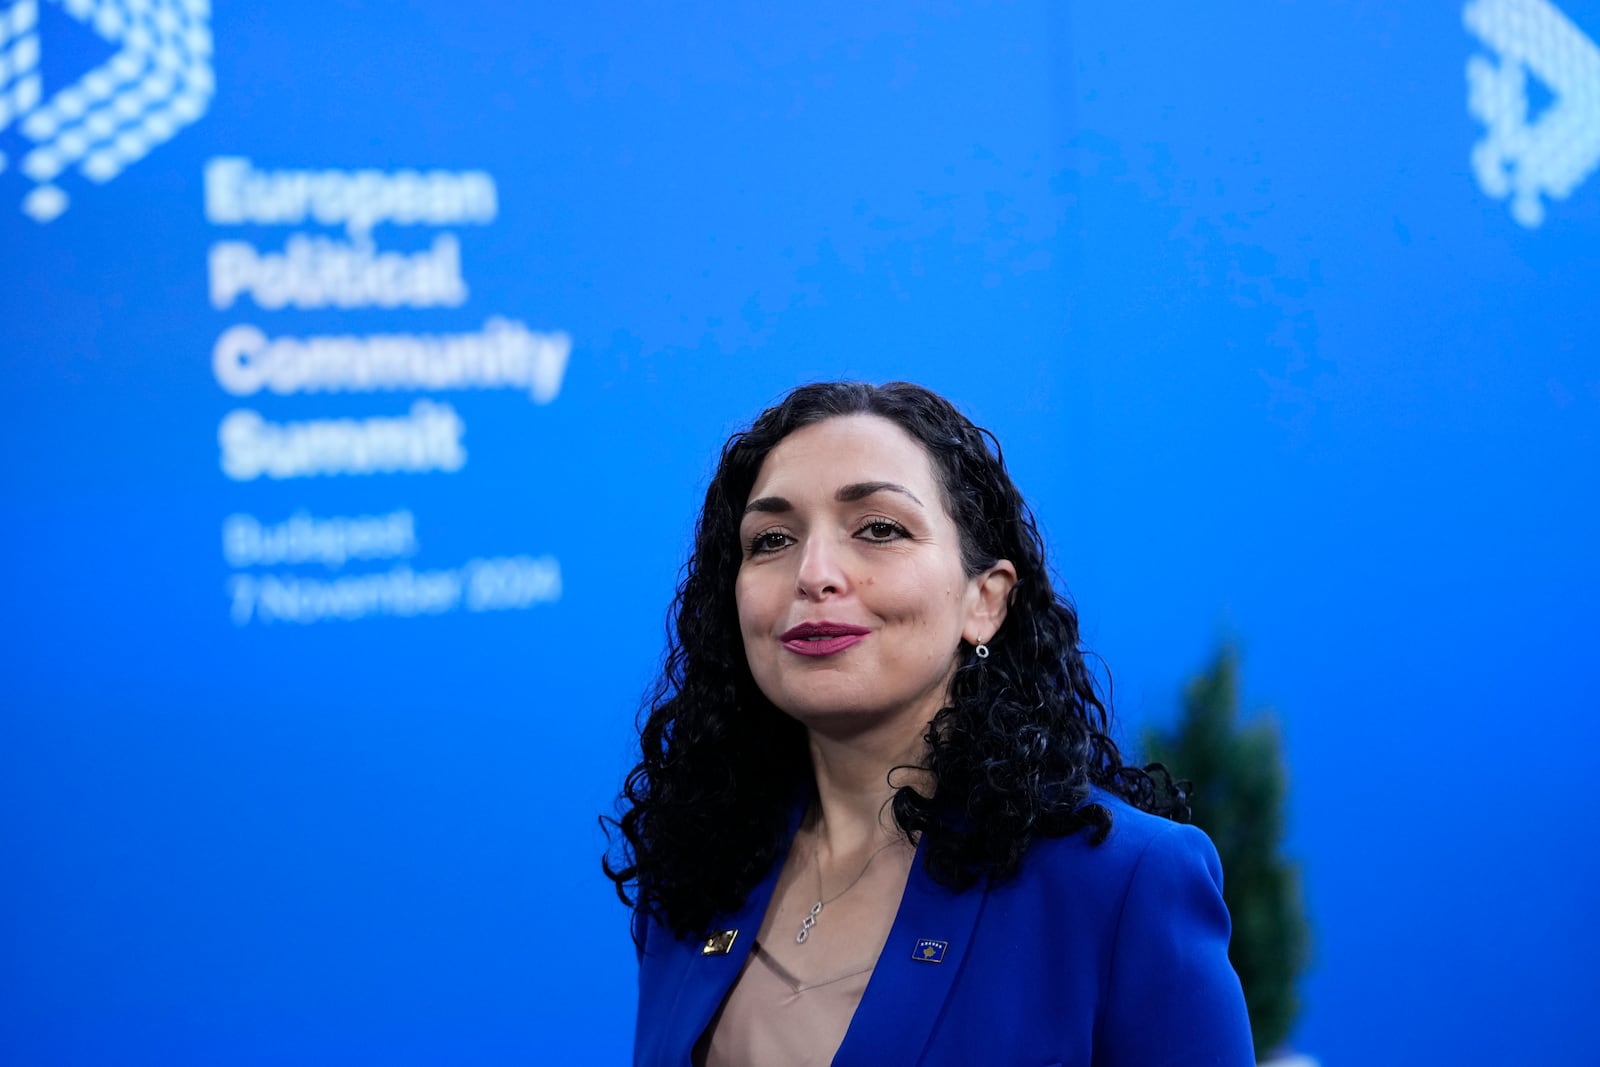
(822, 638)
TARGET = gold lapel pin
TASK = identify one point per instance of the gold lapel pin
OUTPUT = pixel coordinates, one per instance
(930, 951)
(719, 943)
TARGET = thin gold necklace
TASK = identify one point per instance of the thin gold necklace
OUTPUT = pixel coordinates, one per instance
(816, 909)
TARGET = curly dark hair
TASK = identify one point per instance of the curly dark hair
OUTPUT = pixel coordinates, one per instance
(1011, 758)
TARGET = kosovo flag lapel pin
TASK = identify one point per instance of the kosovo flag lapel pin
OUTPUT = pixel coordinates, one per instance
(930, 951)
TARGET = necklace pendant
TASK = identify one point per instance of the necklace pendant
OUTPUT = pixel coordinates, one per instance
(807, 923)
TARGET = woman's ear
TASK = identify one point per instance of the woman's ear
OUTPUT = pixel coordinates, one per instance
(994, 596)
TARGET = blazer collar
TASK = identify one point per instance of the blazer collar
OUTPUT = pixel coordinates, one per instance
(707, 978)
(931, 934)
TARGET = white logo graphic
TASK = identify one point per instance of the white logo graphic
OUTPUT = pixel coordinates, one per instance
(158, 82)
(1554, 155)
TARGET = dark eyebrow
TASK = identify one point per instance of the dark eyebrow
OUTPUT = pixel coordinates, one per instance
(847, 494)
(769, 504)
(861, 490)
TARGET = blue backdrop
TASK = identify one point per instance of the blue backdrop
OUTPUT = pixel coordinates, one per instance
(364, 364)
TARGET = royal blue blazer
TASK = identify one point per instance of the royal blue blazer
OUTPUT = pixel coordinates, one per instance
(1093, 956)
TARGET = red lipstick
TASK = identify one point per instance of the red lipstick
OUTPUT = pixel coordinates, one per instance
(822, 638)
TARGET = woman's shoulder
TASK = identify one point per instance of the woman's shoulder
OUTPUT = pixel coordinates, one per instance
(1132, 829)
(1136, 841)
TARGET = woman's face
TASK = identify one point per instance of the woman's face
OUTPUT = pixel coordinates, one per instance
(852, 597)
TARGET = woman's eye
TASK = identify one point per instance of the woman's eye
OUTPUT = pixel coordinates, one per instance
(771, 541)
(882, 530)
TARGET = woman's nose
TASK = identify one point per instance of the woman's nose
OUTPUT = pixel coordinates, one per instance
(820, 573)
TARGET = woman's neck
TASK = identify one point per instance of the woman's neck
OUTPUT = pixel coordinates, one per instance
(856, 779)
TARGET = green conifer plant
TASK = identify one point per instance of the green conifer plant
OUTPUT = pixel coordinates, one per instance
(1240, 782)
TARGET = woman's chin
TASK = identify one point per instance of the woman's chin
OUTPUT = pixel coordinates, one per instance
(841, 720)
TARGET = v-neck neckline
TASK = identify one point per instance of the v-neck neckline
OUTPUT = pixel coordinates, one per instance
(795, 985)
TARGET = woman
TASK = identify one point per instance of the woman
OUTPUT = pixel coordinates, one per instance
(879, 818)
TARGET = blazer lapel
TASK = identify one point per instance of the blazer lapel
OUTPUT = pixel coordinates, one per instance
(930, 937)
(706, 979)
